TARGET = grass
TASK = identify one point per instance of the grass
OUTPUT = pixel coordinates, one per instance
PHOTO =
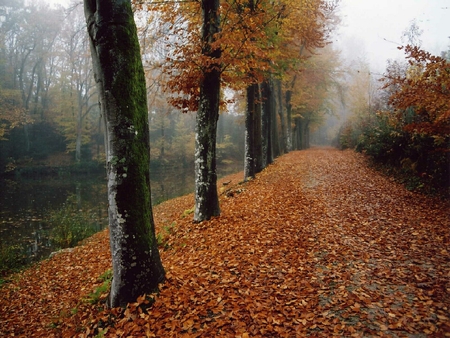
(99, 293)
(161, 237)
(13, 258)
(71, 224)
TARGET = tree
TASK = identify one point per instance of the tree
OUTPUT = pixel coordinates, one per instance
(312, 93)
(423, 94)
(76, 93)
(206, 198)
(120, 79)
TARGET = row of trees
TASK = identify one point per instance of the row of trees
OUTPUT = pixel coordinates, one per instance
(210, 45)
(254, 58)
(258, 50)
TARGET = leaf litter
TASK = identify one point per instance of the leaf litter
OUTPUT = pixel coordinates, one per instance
(318, 245)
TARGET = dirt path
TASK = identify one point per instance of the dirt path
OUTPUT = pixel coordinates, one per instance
(317, 245)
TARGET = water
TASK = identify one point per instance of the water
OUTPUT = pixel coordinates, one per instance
(25, 205)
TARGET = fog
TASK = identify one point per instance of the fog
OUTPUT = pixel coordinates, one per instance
(373, 29)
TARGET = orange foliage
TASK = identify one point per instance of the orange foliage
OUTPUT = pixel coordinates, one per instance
(425, 88)
(256, 37)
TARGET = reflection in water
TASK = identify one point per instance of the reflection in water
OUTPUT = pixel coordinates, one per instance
(25, 206)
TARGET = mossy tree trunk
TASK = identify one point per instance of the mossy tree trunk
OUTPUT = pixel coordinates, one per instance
(119, 76)
(206, 197)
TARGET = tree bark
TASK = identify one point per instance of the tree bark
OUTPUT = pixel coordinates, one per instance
(283, 148)
(120, 80)
(258, 130)
(274, 130)
(250, 154)
(206, 197)
(266, 123)
(289, 134)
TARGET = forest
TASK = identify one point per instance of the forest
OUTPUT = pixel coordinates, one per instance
(130, 88)
(50, 118)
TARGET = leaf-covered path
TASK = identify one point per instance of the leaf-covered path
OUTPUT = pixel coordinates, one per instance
(317, 245)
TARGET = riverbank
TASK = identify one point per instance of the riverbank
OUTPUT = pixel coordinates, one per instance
(318, 244)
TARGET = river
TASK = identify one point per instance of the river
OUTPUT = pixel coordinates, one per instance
(26, 205)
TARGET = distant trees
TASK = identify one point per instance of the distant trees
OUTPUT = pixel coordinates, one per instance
(27, 44)
(46, 83)
(49, 111)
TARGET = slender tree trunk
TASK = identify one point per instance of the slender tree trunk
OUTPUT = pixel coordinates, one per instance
(258, 130)
(289, 120)
(79, 125)
(265, 122)
(163, 140)
(305, 135)
(275, 128)
(206, 197)
(283, 148)
(119, 75)
(249, 164)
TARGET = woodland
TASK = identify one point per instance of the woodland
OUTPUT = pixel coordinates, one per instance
(304, 242)
(50, 116)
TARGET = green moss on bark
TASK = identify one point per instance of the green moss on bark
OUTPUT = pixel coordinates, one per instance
(121, 81)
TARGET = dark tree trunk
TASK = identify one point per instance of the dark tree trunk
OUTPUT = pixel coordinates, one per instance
(283, 148)
(258, 131)
(305, 135)
(250, 162)
(267, 122)
(289, 134)
(119, 75)
(206, 197)
(274, 130)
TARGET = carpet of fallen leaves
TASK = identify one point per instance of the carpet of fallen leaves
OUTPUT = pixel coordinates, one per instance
(317, 245)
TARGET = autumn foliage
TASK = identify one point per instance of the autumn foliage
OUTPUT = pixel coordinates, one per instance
(256, 38)
(424, 89)
(317, 245)
(410, 131)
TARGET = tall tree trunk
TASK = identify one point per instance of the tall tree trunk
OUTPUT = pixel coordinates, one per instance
(258, 131)
(274, 125)
(79, 126)
(249, 163)
(265, 122)
(163, 140)
(206, 197)
(289, 134)
(297, 134)
(119, 75)
(305, 135)
(283, 148)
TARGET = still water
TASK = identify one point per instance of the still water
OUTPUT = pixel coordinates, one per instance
(25, 205)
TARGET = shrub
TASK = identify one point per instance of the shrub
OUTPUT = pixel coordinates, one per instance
(12, 257)
(71, 224)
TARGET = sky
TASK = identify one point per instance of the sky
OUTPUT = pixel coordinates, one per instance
(372, 29)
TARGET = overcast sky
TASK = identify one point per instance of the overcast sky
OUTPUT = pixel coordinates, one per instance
(372, 28)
